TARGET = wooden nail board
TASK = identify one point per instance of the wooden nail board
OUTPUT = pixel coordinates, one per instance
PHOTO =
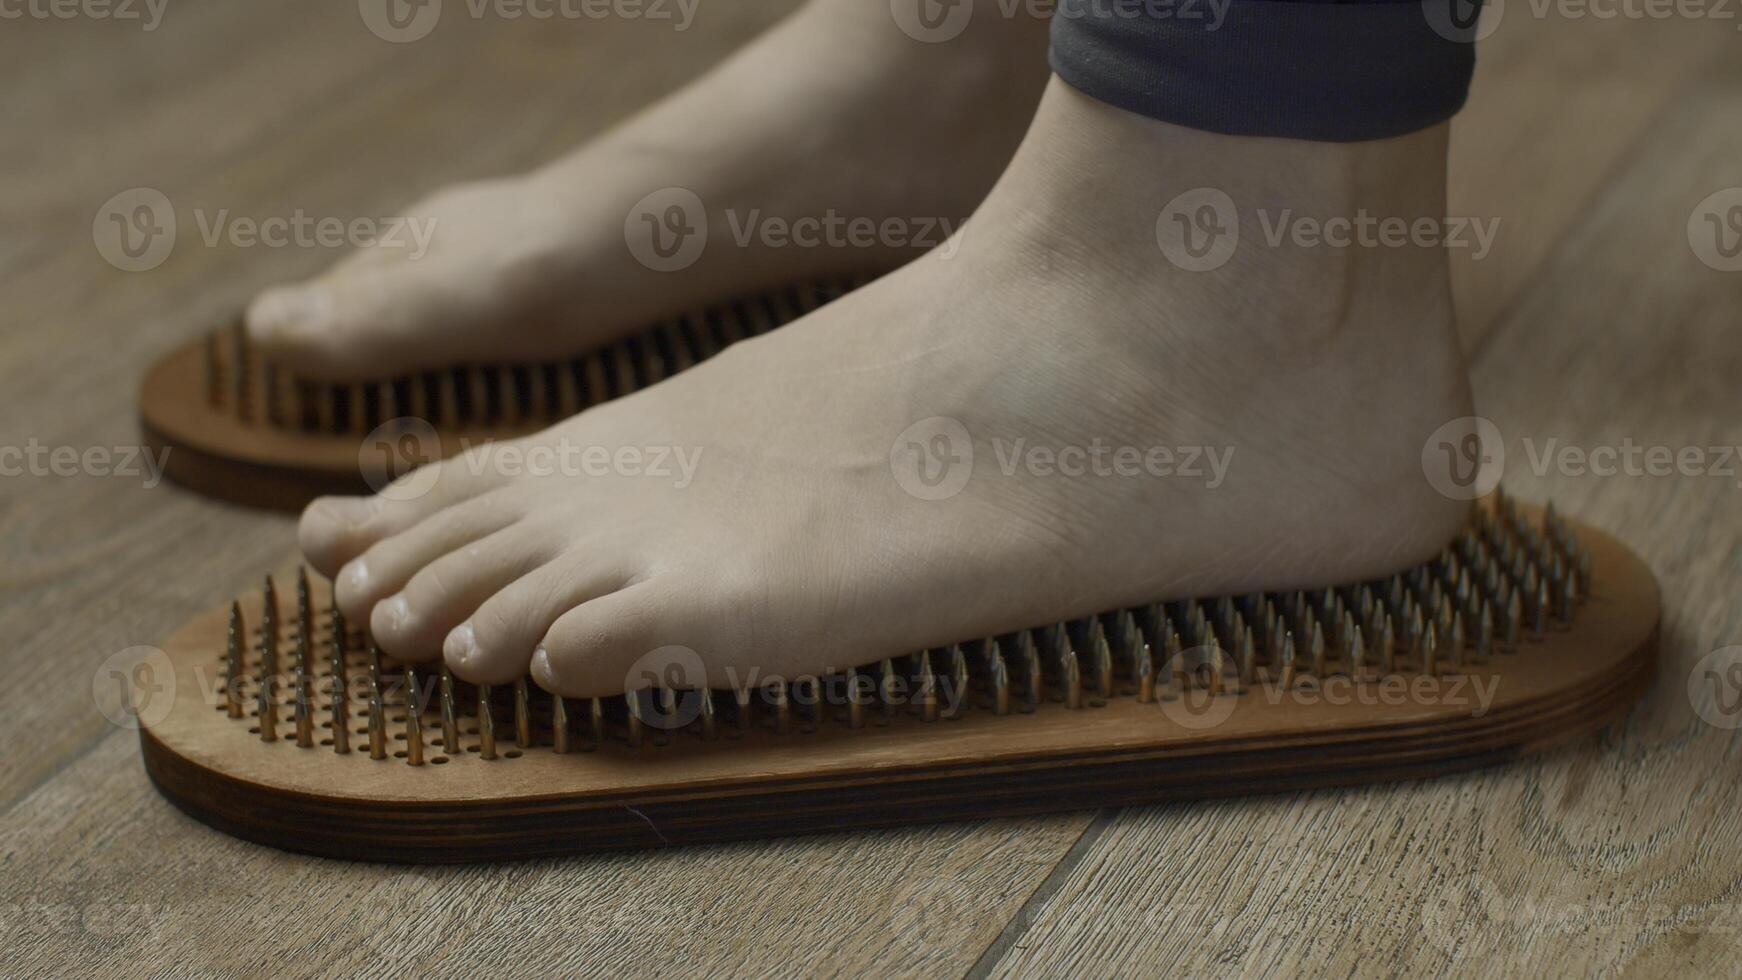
(1529, 630)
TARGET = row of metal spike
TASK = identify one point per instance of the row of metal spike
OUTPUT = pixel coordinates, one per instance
(239, 379)
(1502, 581)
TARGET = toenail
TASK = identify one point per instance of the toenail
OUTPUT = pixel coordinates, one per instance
(460, 646)
(291, 310)
(354, 577)
(541, 669)
(338, 511)
(395, 611)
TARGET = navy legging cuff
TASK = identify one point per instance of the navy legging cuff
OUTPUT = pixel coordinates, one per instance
(1302, 69)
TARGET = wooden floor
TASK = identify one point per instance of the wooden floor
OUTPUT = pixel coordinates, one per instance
(1592, 323)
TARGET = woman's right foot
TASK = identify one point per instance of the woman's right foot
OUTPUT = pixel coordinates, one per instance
(834, 145)
(1080, 411)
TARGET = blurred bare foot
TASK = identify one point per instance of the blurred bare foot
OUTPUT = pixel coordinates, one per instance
(833, 145)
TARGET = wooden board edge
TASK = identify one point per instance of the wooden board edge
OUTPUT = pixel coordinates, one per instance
(294, 822)
(280, 488)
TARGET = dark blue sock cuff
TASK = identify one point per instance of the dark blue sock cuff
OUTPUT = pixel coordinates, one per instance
(1300, 69)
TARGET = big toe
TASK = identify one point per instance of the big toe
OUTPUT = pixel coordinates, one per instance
(414, 624)
(594, 649)
(495, 645)
(333, 530)
(364, 321)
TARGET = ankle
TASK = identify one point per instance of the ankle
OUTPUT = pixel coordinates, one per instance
(1335, 242)
(1080, 145)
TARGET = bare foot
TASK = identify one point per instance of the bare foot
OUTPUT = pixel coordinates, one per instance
(1055, 421)
(835, 115)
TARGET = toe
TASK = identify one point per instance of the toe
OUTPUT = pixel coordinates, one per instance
(412, 623)
(285, 318)
(335, 530)
(332, 531)
(389, 564)
(590, 649)
(363, 316)
(494, 646)
(337, 327)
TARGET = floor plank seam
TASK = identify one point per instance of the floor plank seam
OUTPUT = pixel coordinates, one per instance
(1623, 164)
(50, 776)
(1019, 923)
